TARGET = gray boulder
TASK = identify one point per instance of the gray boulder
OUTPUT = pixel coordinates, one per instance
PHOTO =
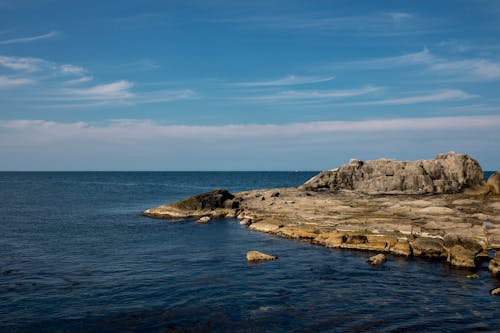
(447, 173)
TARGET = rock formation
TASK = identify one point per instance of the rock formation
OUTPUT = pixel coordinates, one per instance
(377, 260)
(201, 205)
(447, 173)
(494, 183)
(259, 256)
(204, 219)
(458, 227)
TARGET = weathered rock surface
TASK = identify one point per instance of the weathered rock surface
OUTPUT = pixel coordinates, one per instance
(447, 173)
(457, 227)
(377, 260)
(493, 183)
(259, 256)
(462, 250)
(494, 265)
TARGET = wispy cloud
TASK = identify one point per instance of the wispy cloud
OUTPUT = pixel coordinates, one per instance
(317, 94)
(72, 69)
(82, 79)
(286, 81)
(114, 90)
(163, 96)
(399, 17)
(50, 35)
(112, 94)
(22, 63)
(8, 82)
(146, 144)
(445, 95)
(134, 129)
(381, 24)
(471, 69)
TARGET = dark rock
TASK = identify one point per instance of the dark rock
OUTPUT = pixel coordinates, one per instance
(205, 201)
(275, 194)
(447, 173)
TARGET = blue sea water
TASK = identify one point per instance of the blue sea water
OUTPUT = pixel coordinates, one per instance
(77, 256)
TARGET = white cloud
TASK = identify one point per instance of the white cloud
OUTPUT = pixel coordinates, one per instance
(145, 144)
(163, 96)
(286, 81)
(373, 24)
(22, 63)
(133, 129)
(8, 82)
(474, 69)
(82, 79)
(445, 95)
(114, 90)
(398, 17)
(49, 35)
(317, 94)
(72, 69)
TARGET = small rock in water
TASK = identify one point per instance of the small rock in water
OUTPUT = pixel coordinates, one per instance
(494, 265)
(473, 276)
(246, 221)
(204, 219)
(377, 259)
(258, 256)
(495, 292)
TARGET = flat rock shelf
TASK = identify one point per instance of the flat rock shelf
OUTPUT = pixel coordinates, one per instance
(459, 226)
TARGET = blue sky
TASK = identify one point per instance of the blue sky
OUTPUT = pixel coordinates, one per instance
(246, 85)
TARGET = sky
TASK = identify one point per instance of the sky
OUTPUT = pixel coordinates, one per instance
(246, 85)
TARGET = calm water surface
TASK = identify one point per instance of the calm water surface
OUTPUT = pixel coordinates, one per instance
(76, 256)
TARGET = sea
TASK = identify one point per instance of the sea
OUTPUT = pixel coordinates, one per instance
(76, 255)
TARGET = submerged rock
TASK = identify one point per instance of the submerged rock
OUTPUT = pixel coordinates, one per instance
(473, 276)
(377, 260)
(259, 256)
(204, 219)
(494, 265)
(447, 173)
(495, 292)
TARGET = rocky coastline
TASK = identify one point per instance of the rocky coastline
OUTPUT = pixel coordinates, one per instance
(441, 209)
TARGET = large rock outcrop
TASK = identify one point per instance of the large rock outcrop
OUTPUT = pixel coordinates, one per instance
(201, 205)
(447, 173)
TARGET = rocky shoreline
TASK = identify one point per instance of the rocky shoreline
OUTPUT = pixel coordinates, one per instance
(439, 208)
